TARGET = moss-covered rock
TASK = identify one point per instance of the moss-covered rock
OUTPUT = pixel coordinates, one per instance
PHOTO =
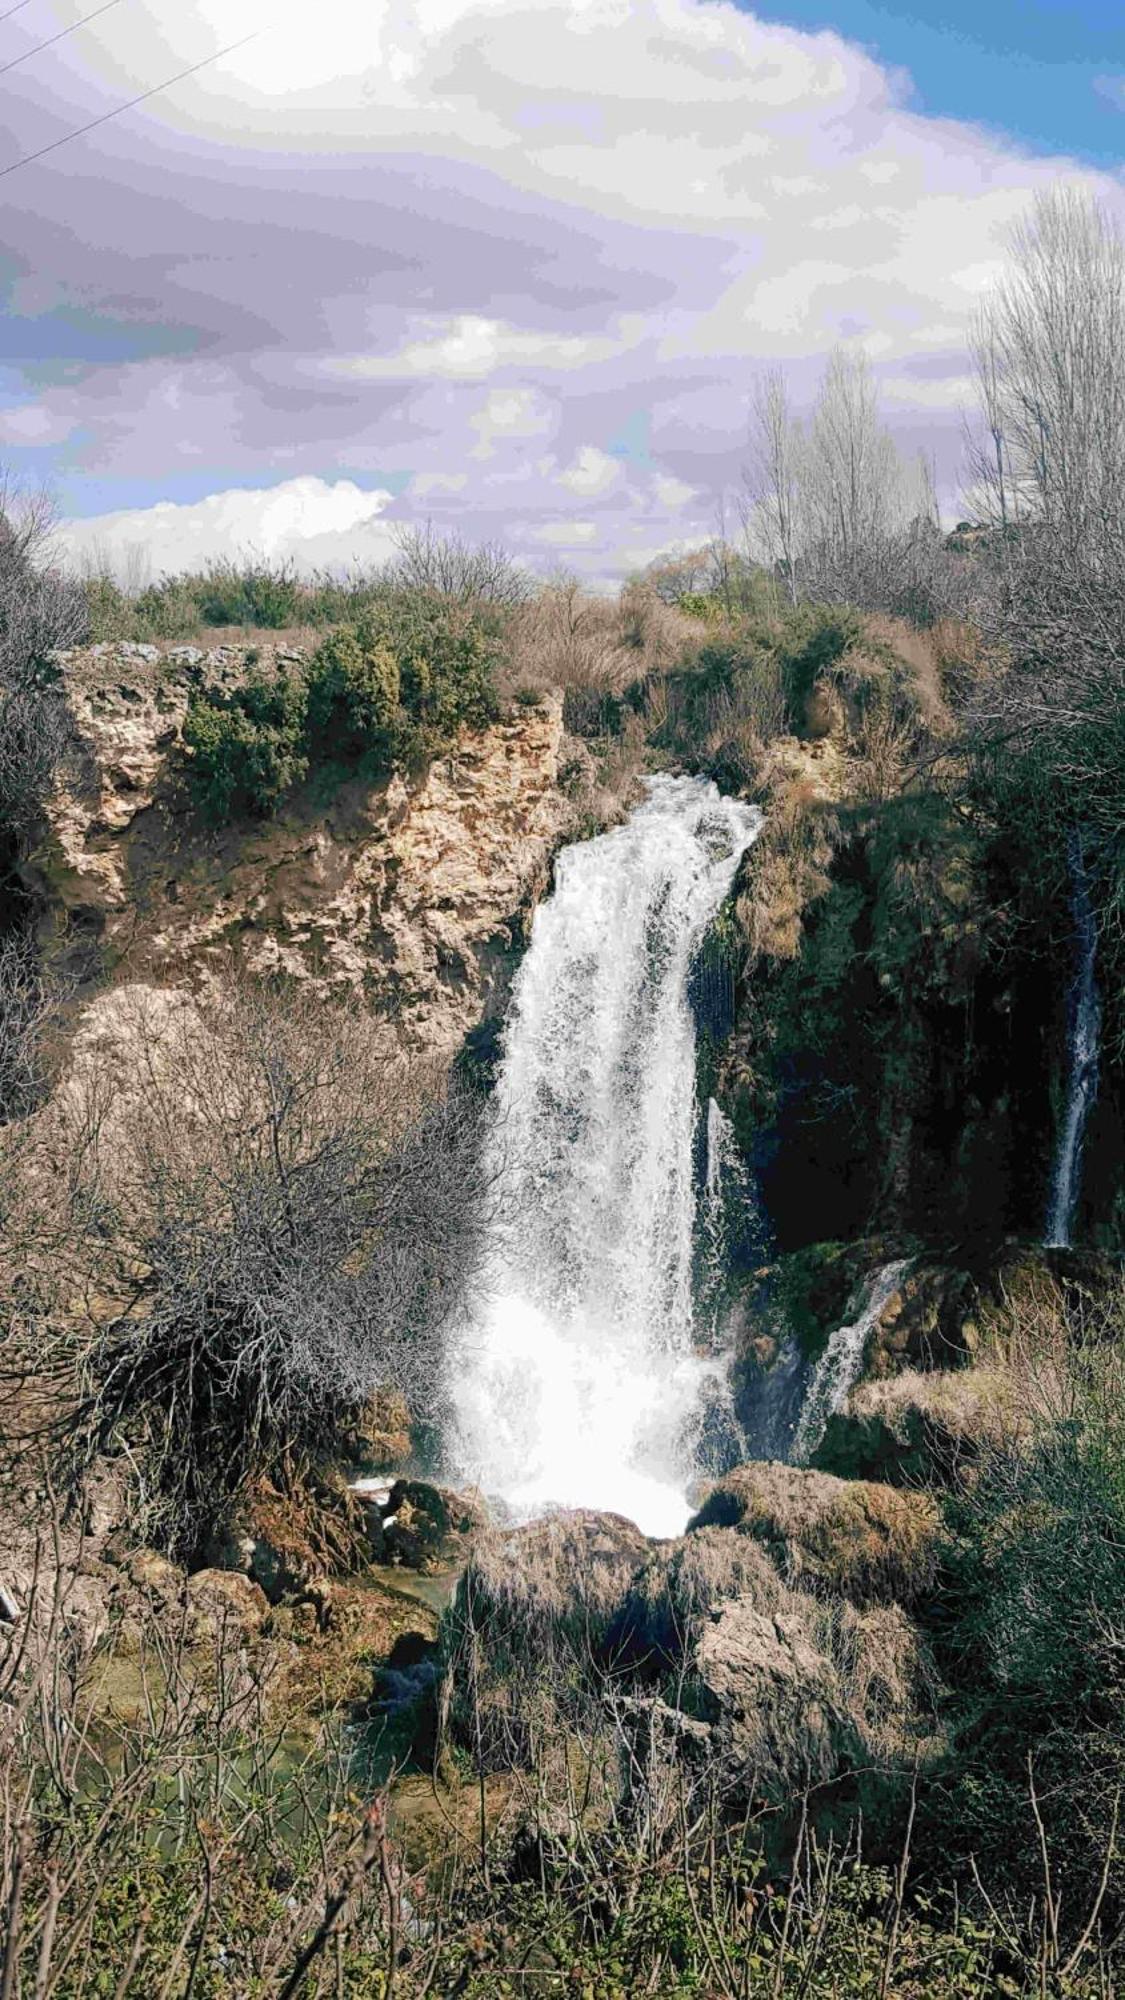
(921, 1429)
(849, 1538)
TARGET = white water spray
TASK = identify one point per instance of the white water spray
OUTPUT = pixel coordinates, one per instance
(1082, 1079)
(838, 1368)
(578, 1383)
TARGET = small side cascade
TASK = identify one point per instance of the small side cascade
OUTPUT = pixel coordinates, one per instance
(727, 1211)
(838, 1369)
(1083, 1035)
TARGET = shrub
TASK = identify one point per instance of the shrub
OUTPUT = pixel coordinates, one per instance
(247, 747)
(354, 708)
(1032, 1616)
(447, 664)
(250, 594)
(290, 1213)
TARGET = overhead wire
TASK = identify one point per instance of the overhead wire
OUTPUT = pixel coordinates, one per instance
(17, 9)
(61, 36)
(142, 97)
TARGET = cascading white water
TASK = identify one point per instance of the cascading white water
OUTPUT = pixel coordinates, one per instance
(838, 1368)
(577, 1383)
(727, 1207)
(1082, 1078)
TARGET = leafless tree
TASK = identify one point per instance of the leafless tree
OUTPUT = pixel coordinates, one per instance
(833, 508)
(26, 1006)
(448, 566)
(773, 480)
(1048, 470)
(280, 1216)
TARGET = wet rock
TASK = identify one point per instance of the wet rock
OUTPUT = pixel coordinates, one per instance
(928, 1322)
(429, 1527)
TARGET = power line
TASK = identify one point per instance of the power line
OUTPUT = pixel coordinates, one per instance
(18, 9)
(26, 159)
(52, 39)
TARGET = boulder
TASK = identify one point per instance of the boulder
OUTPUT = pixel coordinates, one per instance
(223, 1604)
(771, 1696)
(920, 1430)
(429, 1527)
(679, 1588)
(524, 1641)
(848, 1538)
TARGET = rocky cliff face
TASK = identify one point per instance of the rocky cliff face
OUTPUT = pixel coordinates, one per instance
(411, 893)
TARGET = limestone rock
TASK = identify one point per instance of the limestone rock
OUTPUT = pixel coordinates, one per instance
(772, 1697)
(224, 1603)
(405, 891)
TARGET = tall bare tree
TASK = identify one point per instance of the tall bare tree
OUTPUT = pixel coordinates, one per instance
(834, 508)
(1048, 466)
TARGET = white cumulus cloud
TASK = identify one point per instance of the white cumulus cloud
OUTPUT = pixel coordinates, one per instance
(309, 521)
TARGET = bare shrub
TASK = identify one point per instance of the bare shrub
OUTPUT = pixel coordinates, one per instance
(40, 612)
(278, 1217)
(27, 1005)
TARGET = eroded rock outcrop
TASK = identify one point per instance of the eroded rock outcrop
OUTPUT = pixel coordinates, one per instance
(410, 892)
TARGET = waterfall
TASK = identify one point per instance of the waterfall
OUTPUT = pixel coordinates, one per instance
(727, 1211)
(838, 1368)
(1083, 1029)
(578, 1383)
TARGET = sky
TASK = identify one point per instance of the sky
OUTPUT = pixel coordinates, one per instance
(509, 266)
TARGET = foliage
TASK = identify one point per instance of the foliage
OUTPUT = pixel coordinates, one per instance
(249, 593)
(1030, 1623)
(248, 746)
(354, 705)
(395, 687)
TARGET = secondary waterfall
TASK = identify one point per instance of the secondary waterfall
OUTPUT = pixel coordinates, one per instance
(1084, 1029)
(579, 1384)
(838, 1368)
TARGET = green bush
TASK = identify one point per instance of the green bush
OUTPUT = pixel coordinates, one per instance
(250, 594)
(247, 747)
(1030, 1624)
(354, 706)
(812, 639)
(448, 664)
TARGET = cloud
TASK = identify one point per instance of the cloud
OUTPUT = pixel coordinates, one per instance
(440, 248)
(565, 534)
(672, 493)
(310, 521)
(591, 472)
(469, 349)
(32, 424)
(509, 415)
